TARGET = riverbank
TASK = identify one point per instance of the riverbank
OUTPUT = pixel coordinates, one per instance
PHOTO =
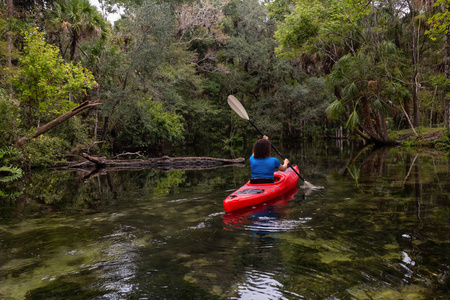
(422, 137)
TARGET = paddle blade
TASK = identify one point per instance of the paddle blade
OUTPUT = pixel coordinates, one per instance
(308, 185)
(237, 107)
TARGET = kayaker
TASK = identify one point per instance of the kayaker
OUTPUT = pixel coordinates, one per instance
(262, 164)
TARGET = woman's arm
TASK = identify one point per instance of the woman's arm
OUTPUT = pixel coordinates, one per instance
(284, 166)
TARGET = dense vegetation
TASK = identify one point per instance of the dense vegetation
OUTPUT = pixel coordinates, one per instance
(163, 71)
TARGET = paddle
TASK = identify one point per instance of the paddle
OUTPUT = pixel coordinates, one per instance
(240, 110)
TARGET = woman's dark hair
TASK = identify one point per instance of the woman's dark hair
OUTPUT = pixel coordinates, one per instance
(261, 148)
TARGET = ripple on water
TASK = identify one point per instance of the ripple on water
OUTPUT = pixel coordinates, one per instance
(266, 220)
(263, 285)
(264, 217)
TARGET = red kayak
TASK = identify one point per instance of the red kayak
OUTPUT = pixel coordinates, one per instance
(248, 216)
(252, 194)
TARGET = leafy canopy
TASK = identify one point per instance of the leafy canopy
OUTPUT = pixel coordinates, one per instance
(46, 84)
(440, 21)
(315, 21)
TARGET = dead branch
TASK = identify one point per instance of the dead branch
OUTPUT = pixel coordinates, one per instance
(44, 128)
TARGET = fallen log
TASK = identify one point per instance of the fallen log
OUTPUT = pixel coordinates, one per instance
(161, 163)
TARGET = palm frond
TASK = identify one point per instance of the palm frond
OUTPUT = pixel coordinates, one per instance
(335, 109)
(350, 91)
(381, 106)
(8, 174)
(353, 120)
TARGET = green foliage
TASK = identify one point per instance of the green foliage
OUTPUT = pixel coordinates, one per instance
(353, 120)
(299, 27)
(278, 9)
(188, 56)
(8, 174)
(359, 81)
(74, 20)
(381, 106)
(313, 22)
(440, 21)
(409, 143)
(9, 155)
(145, 124)
(170, 183)
(46, 84)
(199, 114)
(9, 116)
(443, 144)
(335, 109)
(355, 173)
(45, 151)
(350, 91)
(233, 144)
(75, 130)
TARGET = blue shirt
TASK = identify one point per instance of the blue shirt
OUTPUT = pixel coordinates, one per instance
(263, 167)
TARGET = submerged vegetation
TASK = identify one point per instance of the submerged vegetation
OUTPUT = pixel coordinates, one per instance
(379, 229)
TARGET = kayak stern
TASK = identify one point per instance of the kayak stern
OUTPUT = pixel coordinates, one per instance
(252, 194)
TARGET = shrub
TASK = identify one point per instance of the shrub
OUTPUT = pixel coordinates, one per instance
(45, 151)
(8, 116)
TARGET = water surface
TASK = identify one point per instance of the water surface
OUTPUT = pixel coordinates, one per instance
(378, 230)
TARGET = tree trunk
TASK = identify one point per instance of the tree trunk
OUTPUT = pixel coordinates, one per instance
(8, 34)
(407, 109)
(376, 129)
(367, 123)
(415, 95)
(447, 89)
(9, 43)
(73, 46)
(382, 127)
(55, 122)
(415, 62)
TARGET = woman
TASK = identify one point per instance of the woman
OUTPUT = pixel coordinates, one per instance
(262, 165)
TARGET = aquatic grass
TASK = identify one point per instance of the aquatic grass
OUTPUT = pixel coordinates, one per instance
(61, 257)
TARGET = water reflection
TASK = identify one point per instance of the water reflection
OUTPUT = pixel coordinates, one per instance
(379, 230)
(262, 218)
(262, 285)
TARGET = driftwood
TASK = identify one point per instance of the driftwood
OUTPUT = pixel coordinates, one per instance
(159, 163)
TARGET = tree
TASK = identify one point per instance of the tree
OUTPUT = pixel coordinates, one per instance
(47, 85)
(146, 79)
(440, 26)
(74, 20)
(379, 35)
(9, 16)
(200, 20)
(367, 89)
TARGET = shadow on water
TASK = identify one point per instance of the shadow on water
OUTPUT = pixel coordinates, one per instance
(379, 230)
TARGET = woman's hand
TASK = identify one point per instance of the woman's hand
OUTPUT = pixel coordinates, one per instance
(265, 137)
(284, 166)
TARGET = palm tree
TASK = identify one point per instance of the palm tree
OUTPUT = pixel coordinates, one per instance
(75, 20)
(368, 92)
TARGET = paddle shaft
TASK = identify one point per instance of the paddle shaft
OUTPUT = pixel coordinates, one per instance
(276, 150)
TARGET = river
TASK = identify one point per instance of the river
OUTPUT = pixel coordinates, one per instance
(379, 229)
